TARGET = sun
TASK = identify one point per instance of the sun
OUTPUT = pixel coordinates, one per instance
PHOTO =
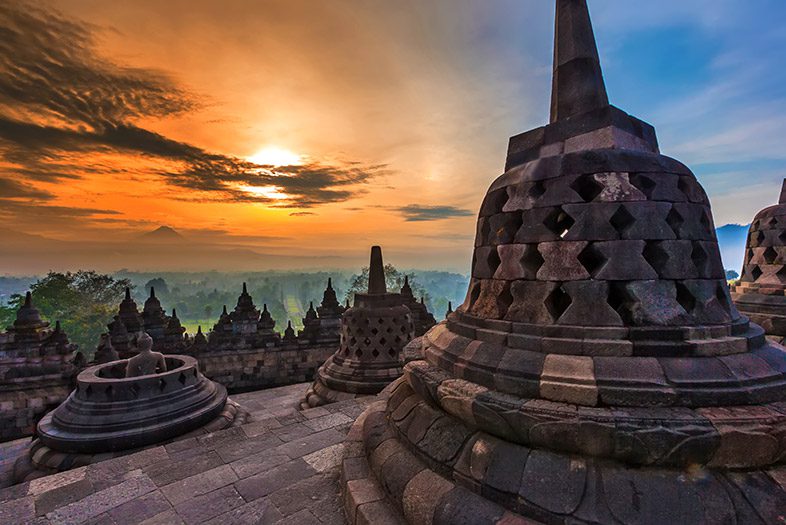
(276, 156)
(269, 192)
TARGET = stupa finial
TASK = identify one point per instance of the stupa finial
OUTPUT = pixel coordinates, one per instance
(577, 85)
(376, 272)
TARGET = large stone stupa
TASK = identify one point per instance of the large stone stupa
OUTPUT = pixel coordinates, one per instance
(373, 333)
(598, 371)
(761, 291)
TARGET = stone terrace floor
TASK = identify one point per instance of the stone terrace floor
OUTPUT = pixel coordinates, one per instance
(282, 468)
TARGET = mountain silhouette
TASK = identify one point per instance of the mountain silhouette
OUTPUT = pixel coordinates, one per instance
(163, 234)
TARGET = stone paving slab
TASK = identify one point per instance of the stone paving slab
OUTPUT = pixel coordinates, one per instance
(282, 468)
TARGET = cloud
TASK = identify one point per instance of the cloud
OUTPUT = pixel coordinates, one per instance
(11, 189)
(419, 213)
(301, 213)
(61, 104)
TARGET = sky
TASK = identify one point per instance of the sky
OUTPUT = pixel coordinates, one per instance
(316, 129)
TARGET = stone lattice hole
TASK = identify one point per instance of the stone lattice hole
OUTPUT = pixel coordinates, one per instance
(644, 184)
(504, 300)
(592, 259)
(493, 261)
(587, 187)
(699, 257)
(622, 220)
(656, 256)
(537, 190)
(559, 222)
(675, 221)
(770, 255)
(532, 260)
(617, 298)
(756, 272)
(557, 303)
(685, 298)
(781, 274)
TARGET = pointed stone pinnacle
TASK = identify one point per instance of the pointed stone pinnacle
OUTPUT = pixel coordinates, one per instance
(152, 292)
(577, 85)
(376, 272)
(782, 200)
(264, 307)
(174, 313)
(128, 293)
(28, 299)
(330, 283)
(245, 290)
(225, 310)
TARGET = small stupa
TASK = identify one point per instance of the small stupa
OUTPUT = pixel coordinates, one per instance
(761, 291)
(598, 371)
(373, 333)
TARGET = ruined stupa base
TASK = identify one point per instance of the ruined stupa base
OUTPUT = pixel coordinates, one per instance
(41, 460)
(411, 460)
(764, 305)
(319, 394)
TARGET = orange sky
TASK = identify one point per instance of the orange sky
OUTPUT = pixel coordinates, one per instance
(388, 91)
(119, 117)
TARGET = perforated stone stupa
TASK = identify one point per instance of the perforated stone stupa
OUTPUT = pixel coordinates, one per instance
(373, 333)
(597, 371)
(761, 291)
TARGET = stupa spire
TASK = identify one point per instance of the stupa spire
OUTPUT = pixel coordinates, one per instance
(577, 84)
(782, 200)
(376, 272)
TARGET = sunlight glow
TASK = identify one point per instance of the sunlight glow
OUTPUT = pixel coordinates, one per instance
(275, 156)
(270, 192)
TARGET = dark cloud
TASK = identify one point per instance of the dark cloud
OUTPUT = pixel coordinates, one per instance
(418, 213)
(11, 189)
(59, 102)
(301, 214)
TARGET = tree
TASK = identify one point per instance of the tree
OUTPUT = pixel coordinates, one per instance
(159, 284)
(84, 302)
(731, 275)
(394, 280)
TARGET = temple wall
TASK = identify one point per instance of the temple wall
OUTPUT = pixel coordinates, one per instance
(22, 406)
(255, 369)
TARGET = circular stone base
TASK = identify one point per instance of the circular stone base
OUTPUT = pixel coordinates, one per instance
(435, 469)
(319, 394)
(42, 461)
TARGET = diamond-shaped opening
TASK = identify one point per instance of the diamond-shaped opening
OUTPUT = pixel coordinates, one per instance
(392, 352)
(656, 256)
(722, 296)
(685, 185)
(782, 236)
(485, 231)
(760, 236)
(781, 275)
(675, 221)
(358, 353)
(532, 260)
(511, 227)
(182, 378)
(474, 294)
(699, 257)
(504, 300)
(493, 261)
(375, 352)
(592, 259)
(772, 223)
(749, 255)
(536, 190)
(770, 255)
(383, 341)
(403, 329)
(495, 201)
(622, 220)
(367, 341)
(353, 341)
(374, 331)
(557, 303)
(644, 184)
(618, 298)
(390, 329)
(397, 340)
(381, 320)
(685, 298)
(706, 221)
(587, 187)
(756, 272)
(559, 222)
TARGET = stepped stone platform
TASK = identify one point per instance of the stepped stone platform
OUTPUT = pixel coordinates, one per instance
(282, 468)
